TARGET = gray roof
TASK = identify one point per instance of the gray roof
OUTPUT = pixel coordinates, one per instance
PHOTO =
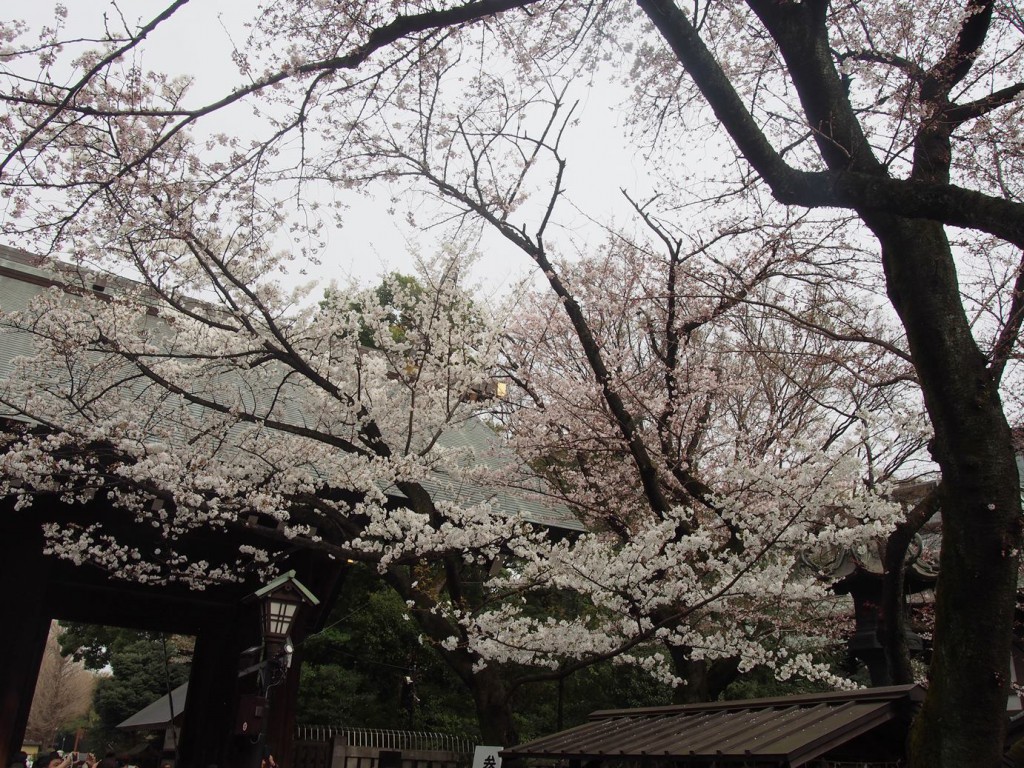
(288, 577)
(24, 275)
(157, 716)
(529, 499)
(786, 731)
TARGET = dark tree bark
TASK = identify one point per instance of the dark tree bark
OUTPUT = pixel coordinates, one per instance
(705, 680)
(488, 687)
(492, 709)
(963, 719)
(892, 609)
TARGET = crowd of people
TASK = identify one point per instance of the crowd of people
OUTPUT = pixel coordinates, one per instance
(57, 759)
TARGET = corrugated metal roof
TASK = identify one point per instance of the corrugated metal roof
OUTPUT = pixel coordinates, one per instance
(788, 731)
(23, 276)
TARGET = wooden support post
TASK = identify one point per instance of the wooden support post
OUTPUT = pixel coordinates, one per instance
(213, 691)
(26, 623)
(281, 726)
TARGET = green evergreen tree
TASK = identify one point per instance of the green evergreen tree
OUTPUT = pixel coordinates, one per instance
(142, 666)
(370, 667)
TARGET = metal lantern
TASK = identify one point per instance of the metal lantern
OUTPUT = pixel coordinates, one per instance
(279, 605)
(279, 611)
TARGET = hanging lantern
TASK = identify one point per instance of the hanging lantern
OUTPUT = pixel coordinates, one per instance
(279, 605)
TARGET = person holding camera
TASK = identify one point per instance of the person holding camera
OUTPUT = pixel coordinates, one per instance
(72, 760)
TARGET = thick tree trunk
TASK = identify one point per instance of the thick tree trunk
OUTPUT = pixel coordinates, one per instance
(487, 686)
(892, 629)
(492, 709)
(963, 718)
(892, 610)
(705, 681)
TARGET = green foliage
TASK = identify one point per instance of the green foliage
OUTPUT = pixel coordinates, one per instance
(402, 306)
(93, 644)
(369, 668)
(760, 682)
(354, 674)
(601, 686)
(139, 677)
(143, 667)
(396, 295)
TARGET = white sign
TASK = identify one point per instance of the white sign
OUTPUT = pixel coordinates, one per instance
(487, 757)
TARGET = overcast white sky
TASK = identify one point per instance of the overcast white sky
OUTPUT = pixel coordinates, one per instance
(198, 42)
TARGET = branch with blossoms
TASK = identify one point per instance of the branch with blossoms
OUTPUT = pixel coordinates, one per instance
(657, 589)
(186, 423)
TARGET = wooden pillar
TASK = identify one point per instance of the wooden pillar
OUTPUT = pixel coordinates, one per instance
(281, 724)
(25, 619)
(212, 702)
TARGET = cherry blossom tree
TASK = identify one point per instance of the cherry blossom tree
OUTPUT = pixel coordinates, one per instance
(770, 422)
(903, 117)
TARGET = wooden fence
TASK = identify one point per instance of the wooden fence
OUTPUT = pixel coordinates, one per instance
(333, 747)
